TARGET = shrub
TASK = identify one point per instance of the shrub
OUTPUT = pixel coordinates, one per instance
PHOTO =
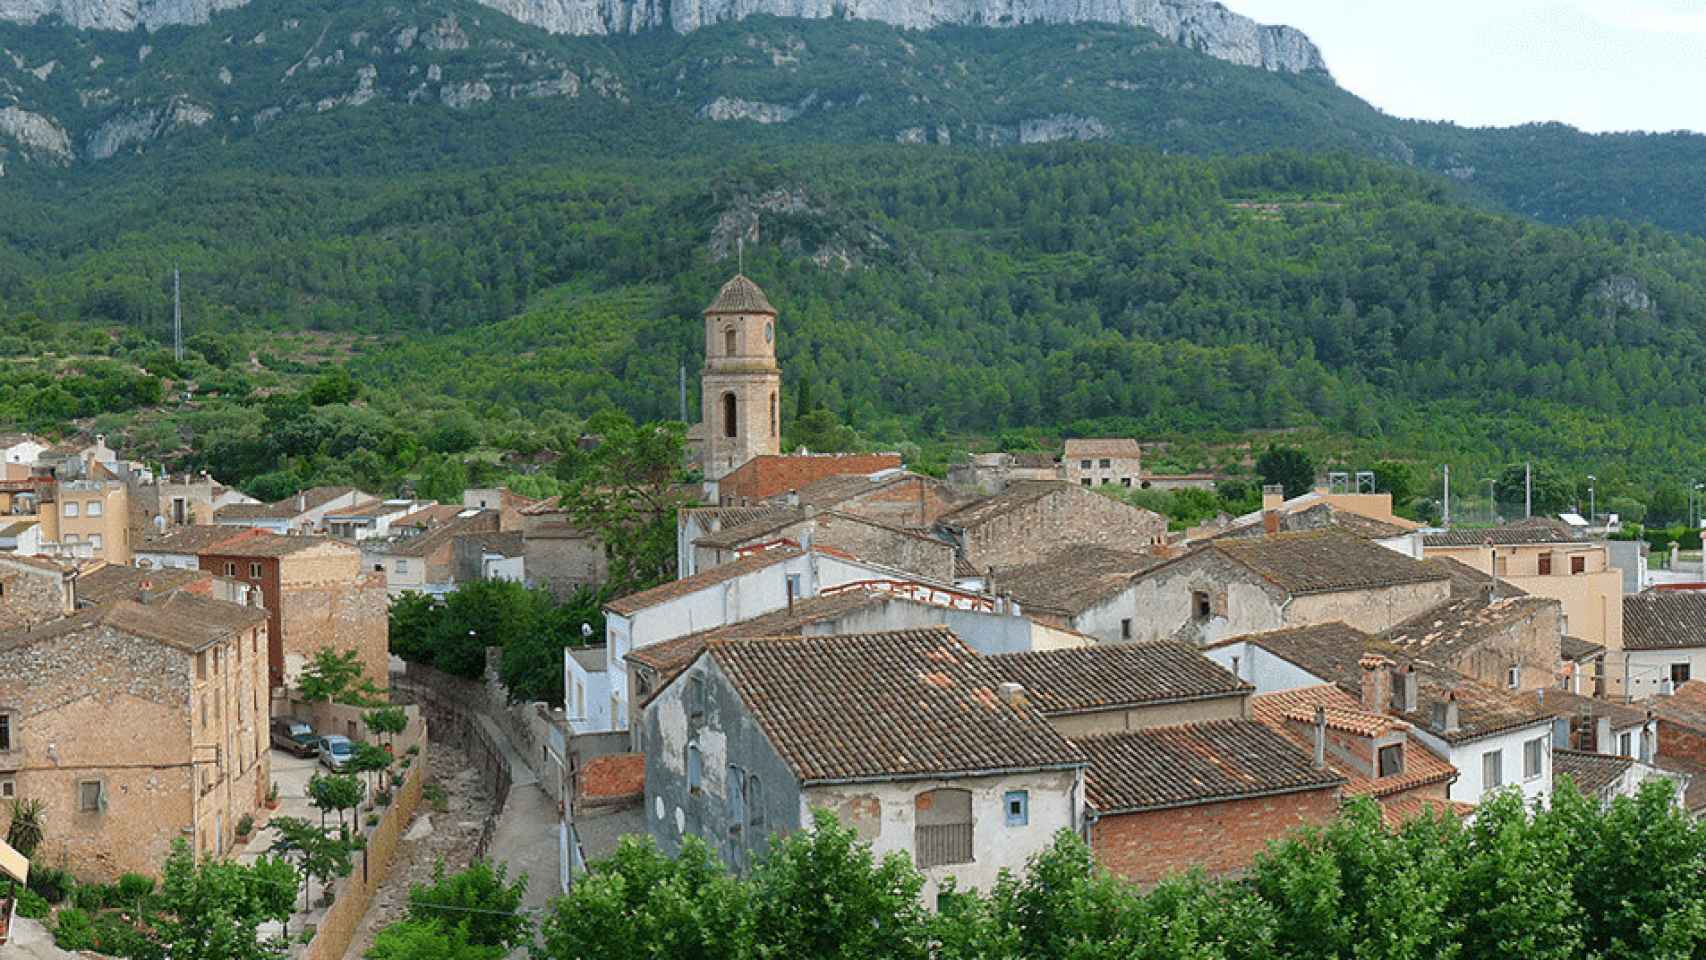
(74, 930)
(133, 887)
(245, 825)
(115, 936)
(414, 750)
(53, 885)
(33, 906)
(92, 896)
(358, 842)
(272, 793)
(373, 819)
(307, 934)
(383, 798)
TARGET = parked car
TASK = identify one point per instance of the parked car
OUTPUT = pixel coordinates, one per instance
(336, 752)
(295, 736)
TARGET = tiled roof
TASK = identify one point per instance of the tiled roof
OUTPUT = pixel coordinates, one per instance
(635, 602)
(1015, 497)
(114, 582)
(1466, 581)
(770, 475)
(1576, 649)
(1397, 811)
(1116, 676)
(833, 491)
(906, 704)
(420, 545)
(427, 517)
(741, 295)
(181, 620)
(1325, 561)
(1122, 449)
(1563, 703)
(730, 537)
(1538, 530)
(727, 517)
(39, 563)
(291, 506)
(13, 439)
(1664, 620)
(1591, 772)
(508, 543)
(1073, 579)
(1332, 652)
(1316, 517)
(1686, 707)
(671, 656)
(1282, 711)
(1194, 764)
(1454, 628)
(188, 540)
(262, 543)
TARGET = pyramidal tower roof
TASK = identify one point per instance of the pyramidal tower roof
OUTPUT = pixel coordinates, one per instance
(741, 295)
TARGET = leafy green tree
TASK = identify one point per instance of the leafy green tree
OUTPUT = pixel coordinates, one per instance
(1397, 478)
(370, 758)
(531, 667)
(454, 432)
(481, 903)
(443, 478)
(335, 792)
(386, 722)
(212, 910)
(1288, 467)
(333, 386)
(638, 904)
(820, 431)
(426, 940)
(1552, 493)
(412, 622)
(335, 677)
(627, 496)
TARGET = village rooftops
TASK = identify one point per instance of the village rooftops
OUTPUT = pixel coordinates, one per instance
(1686, 707)
(1317, 517)
(1113, 449)
(464, 523)
(730, 538)
(908, 704)
(741, 295)
(262, 543)
(1664, 620)
(1577, 650)
(1116, 676)
(1073, 579)
(1466, 581)
(1592, 773)
(115, 582)
(188, 540)
(292, 506)
(663, 593)
(1333, 652)
(180, 620)
(1461, 624)
(427, 517)
(1167, 767)
(1017, 496)
(730, 517)
(1289, 712)
(1323, 561)
(1536, 531)
(1564, 704)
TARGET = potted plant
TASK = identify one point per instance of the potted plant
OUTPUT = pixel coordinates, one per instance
(245, 828)
(272, 796)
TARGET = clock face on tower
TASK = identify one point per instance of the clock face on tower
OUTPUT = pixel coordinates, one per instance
(770, 333)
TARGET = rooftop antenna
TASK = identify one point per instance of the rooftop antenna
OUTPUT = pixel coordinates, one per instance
(177, 318)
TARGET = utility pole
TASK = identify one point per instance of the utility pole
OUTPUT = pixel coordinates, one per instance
(177, 318)
(1492, 500)
(1445, 514)
(684, 393)
(1590, 499)
(1527, 490)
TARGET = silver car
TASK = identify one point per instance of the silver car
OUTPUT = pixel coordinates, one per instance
(336, 752)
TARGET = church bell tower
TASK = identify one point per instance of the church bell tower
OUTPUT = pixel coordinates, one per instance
(741, 382)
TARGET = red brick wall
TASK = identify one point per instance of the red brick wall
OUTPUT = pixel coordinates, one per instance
(769, 476)
(1677, 742)
(268, 581)
(1219, 838)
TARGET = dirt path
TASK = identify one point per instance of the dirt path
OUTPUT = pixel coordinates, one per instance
(445, 831)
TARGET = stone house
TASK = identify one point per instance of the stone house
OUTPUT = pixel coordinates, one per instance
(1399, 539)
(425, 562)
(368, 521)
(894, 497)
(110, 583)
(1034, 519)
(34, 590)
(1505, 641)
(946, 765)
(489, 556)
(903, 549)
(558, 555)
(1681, 732)
(181, 548)
(1233, 586)
(693, 523)
(303, 512)
(1098, 463)
(1088, 589)
(165, 502)
(771, 475)
(1545, 558)
(1494, 738)
(1664, 643)
(316, 596)
(991, 473)
(137, 723)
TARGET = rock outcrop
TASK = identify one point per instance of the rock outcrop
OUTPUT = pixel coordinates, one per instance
(1201, 25)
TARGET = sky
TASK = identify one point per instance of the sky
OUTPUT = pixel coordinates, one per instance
(1595, 64)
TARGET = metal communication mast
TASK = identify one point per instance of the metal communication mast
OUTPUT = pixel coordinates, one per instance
(177, 319)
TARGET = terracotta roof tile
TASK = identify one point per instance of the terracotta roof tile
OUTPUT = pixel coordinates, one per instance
(188, 540)
(1453, 628)
(1538, 530)
(614, 777)
(263, 543)
(1686, 707)
(904, 704)
(671, 656)
(1325, 561)
(741, 295)
(1074, 578)
(181, 620)
(1286, 711)
(1397, 811)
(1115, 676)
(1664, 620)
(114, 582)
(771, 475)
(1197, 763)
(1576, 649)
(1563, 703)
(1592, 773)
(1122, 449)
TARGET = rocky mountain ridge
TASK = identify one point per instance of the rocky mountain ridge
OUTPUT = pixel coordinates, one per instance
(1200, 25)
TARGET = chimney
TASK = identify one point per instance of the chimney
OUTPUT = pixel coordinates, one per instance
(1272, 496)
(1602, 742)
(1405, 693)
(1376, 683)
(1319, 761)
(1270, 522)
(1013, 695)
(1452, 724)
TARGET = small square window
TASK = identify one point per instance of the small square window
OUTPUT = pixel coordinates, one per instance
(1578, 564)
(70, 509)
(1679, 672)
(1200, 606)
(95, 540)
(1084, 464)
(254, 571)
(1392, 760)
(1018, 805)
(8, 789)
(91, 798)
(1107, 464)
(1125, 629)
(1084, 482)
(72, 539)
(94, 509)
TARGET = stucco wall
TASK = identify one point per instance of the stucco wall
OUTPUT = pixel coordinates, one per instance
(886, 815)
(1162, 604)
(1467, 758)
(1266, 672)
(1159, 715)
(1648, 670)
(1370, 611)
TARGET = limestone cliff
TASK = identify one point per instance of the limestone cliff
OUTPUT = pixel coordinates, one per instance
(1198, 24)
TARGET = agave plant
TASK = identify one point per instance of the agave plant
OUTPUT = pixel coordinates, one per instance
(24, 834)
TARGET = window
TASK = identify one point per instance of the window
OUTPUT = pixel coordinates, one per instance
(1546, 564)
(230, 569)
(1107, 464)
(1513, 676)
(695, 698)
(254, 571)
(1392, 760)
(1125, 481)
(1626, 744)
(1578, 564)
(5, 731)
(1018, 805)
(729, 429)
(91, 797)
(773, 415)
(737, 799)
(1200, 606)
(729, 341)
(95, 540)
(402, 566)
(1125, 629)
(8, 789)
(1084, 482)
(1084, 464)
(794, 585)
(72, 539)
(1492, 770)
(70, 509)
(201, 666)
(93, 509)
(1533, 757)
(943, 833)
(1679, 673)
(694, 774)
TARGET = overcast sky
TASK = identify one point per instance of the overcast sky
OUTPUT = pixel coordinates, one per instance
(1596, 64)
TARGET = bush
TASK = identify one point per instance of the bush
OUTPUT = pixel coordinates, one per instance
(92, 896)
(414, 750)
(133, 887)
(74, 930)
(373, 819)
(383, 798)
(115, 936)
(53, 885)
(307, 934)
(33, 906)
(245, 825)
